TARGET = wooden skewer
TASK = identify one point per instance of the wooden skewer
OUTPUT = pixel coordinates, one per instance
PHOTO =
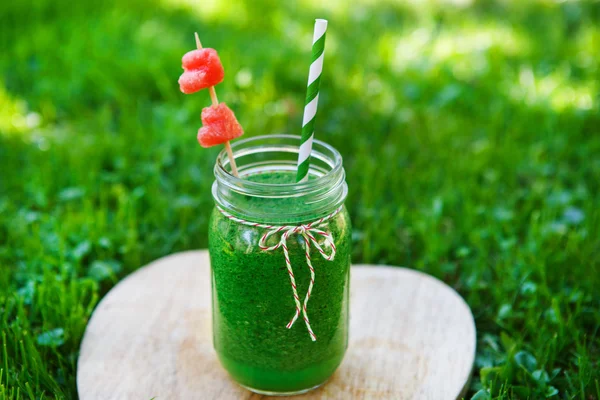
(215, 101)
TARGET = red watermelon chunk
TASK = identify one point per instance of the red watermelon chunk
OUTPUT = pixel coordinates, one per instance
(219, 126)
(202, 69)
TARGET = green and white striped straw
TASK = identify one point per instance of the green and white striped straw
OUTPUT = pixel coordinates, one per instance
(312, 99)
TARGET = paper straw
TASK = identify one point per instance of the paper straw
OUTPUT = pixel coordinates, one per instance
(312, 99)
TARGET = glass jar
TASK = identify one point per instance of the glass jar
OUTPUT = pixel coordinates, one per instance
(280, 312)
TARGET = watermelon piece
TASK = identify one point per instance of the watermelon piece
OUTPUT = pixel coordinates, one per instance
(202, 69)
(219, 126)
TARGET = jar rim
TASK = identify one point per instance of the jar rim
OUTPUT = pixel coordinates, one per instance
(333, 159)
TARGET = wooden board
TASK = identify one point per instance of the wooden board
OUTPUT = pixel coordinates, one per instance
(411, 337)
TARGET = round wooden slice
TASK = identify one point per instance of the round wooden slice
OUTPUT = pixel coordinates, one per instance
(411, 337)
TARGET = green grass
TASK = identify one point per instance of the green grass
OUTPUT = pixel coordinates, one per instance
(471, 138)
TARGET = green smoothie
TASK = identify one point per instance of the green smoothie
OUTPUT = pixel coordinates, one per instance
(253, 302)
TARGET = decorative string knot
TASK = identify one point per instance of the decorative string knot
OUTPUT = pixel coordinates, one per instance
(309, 233)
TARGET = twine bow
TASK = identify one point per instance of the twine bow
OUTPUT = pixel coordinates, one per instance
(308, 233)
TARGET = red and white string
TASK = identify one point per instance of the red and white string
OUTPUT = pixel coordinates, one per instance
(308, 232)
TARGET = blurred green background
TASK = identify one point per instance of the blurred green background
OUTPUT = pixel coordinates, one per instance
(470, 131)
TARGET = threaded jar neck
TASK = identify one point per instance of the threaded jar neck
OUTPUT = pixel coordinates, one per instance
(279, 203)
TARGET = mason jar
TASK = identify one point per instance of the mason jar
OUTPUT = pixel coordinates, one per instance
(280, 265)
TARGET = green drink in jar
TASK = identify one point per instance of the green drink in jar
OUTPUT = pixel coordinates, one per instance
(280, 315)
